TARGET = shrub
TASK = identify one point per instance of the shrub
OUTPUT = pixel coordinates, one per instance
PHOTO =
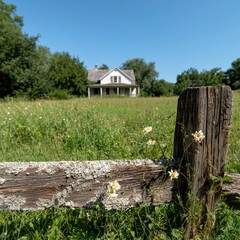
(59, 94)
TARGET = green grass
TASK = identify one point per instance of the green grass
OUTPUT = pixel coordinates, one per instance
(139, 223)
(86, 129)
(152, 223)
(233, 157)
(93, 129)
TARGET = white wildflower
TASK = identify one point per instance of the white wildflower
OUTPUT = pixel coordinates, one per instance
(198, 136)
(173, 174)
(151, 142)
(113, 187)
(163, 145)
(147, 130)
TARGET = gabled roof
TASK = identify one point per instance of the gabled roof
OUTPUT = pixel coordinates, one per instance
(96, 75)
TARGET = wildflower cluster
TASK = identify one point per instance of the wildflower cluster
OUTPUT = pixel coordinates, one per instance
(198, 136)
(112, 189)
(145, 131)
(151, 142)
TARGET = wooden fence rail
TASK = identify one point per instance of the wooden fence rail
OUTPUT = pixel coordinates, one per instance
(204, 110)
(40, 185)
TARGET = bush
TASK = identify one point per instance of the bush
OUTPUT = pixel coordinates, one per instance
(59, 94)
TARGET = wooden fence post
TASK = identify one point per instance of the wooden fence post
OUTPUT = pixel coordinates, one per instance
(202, 162)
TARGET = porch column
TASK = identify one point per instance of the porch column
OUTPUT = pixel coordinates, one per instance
(135, 90)
(138, 91)
(89, 92)
(101, 92)
(118, 91)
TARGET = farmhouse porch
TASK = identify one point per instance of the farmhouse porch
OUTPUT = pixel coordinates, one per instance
(113, 90)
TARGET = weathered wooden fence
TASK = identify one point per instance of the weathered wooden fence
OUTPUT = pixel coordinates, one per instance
(40, 185)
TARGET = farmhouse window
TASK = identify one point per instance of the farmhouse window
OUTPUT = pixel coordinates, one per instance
(115, 79)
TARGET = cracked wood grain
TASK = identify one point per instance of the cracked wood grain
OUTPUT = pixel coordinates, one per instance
(40, 185)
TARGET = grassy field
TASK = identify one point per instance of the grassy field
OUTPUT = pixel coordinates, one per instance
(94, 129)
(233, 157)
(86, 129)
(91, 129)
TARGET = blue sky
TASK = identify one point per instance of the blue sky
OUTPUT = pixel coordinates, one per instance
(175, 34)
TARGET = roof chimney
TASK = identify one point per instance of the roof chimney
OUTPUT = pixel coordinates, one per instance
(96, 67)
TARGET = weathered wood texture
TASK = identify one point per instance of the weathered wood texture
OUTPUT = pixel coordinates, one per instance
(232, 186)
(39, 185)
(208, 109)
(231, 191)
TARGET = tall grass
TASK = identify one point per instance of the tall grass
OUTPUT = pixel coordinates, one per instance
(94, 129)
(233, 157)
(86, 129)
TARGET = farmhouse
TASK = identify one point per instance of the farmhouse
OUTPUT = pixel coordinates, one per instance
(112, 82)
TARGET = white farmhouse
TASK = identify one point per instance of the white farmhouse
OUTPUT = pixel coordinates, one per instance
(112, 82)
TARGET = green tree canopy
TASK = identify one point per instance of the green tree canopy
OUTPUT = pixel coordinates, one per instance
(193, 78)
(162, 88)
(40, 84)
(104, 67)
(233, 74)
(17, 52)
(68, 73)
(212, 77)
(187, 79)
(144, 72)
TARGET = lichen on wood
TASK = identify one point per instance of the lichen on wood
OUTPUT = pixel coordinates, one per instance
(40, 185)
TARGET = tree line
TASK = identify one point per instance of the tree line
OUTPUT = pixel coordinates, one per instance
(30, 70)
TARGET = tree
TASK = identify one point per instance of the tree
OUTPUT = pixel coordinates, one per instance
(103, 67)
(144, 72)
(68, 73)
(40, 84)
(233, 75)
(193, 78)
(17, 52)
(212, 77)
(162, 88)
(186, 79)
